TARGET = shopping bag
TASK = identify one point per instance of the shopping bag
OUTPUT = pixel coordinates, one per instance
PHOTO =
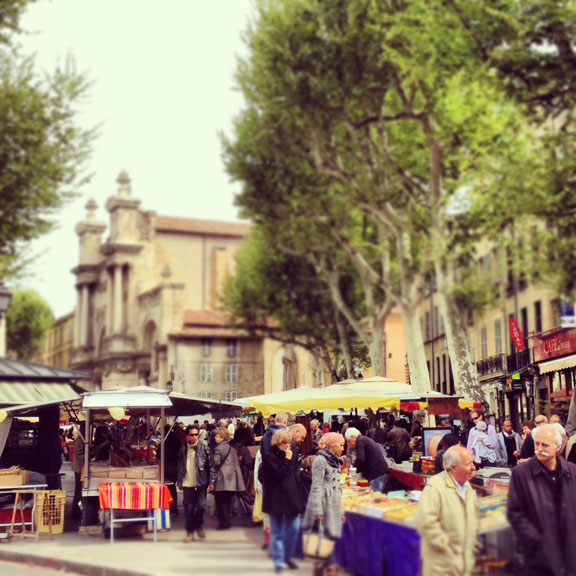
(316, 545)
(257, 509)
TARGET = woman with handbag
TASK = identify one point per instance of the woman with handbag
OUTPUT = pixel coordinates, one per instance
(324, 509)
(282, 499)
(227, 477)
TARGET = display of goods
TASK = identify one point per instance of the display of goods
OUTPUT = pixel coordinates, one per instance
(427, 466)
(405, 513)
(363, 483)
(355, 500)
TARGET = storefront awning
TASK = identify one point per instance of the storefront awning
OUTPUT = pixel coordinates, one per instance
(557, 364)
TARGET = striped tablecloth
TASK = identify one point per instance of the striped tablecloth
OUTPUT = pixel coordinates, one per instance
(134, 496)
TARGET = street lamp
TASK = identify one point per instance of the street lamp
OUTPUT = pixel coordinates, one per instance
(5, 298)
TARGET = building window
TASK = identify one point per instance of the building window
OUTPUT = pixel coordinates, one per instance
(206, 346)
(205, 372)
(427, 326)
(436, 332)
(498, 336)
(538, 316)
(484, 342)
(206, 394)
(231, 373)
(524, 319)
(231, 347)
(231, 395)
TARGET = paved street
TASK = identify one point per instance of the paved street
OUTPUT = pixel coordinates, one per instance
(12, 569)
(85, 551)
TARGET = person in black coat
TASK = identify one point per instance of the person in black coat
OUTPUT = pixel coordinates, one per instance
(370, 459)
(282, 499)
(542, 507)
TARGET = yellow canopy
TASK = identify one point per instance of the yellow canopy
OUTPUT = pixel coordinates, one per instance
(463, 404)
(331, 398)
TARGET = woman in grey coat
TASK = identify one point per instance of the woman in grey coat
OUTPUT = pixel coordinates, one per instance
(325, 499)
(228, 477)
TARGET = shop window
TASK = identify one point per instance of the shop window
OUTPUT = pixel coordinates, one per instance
(205, 372)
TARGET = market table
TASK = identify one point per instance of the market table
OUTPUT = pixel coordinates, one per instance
(374, 547)
(145, 496)
(409, 479)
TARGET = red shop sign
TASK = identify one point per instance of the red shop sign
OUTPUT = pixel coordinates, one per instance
(516, 334)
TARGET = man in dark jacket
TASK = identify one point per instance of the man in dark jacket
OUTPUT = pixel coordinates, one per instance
(370, 460)
(280, 423)
(542, 507)
(194, 476)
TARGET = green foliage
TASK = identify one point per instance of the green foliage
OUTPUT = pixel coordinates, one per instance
(282, 296)
(29, 318)
(42, 149)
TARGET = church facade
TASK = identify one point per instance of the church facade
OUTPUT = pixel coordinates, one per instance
(147, 307)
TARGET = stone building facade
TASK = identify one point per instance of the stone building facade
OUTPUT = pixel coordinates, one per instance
(147, 307)
(59, 342)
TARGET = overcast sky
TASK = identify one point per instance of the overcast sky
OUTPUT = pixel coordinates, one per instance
(163, 78)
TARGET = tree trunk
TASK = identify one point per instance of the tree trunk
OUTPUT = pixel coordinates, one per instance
(342, 327)
(464, 370)
(419, 375)
(377, 352)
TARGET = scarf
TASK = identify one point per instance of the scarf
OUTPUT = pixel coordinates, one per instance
(332, 458)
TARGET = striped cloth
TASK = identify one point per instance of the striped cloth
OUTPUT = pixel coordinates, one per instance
(134, 496)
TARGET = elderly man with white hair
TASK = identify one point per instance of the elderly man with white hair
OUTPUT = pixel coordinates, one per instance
(370, 459)
(446, 517)
(542, 507)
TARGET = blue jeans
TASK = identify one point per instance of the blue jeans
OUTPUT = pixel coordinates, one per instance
(379, 484)
(284, 533)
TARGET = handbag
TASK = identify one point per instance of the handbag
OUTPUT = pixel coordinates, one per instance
(257, 515)
(316, 545)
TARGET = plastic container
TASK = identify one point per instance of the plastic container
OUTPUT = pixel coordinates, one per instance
(49, 512)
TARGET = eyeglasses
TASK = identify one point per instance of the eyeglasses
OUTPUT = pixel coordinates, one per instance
(193, 434)
(475, 418)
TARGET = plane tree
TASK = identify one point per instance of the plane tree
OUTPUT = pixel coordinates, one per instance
(391, 114)
(43, 149)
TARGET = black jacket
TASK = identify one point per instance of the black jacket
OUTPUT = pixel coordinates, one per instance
(370, 460)
(281, 491)
(203, 465)
(545, 531)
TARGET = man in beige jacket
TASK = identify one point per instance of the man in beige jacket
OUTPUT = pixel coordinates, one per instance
(446, 518)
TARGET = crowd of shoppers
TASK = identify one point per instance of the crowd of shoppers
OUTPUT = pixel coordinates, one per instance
(296, 475)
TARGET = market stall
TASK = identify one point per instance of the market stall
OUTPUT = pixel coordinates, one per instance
(124, 429)
(379, 535)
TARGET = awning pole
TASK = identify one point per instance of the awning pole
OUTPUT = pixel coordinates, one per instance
(162, 455)
(87, 437)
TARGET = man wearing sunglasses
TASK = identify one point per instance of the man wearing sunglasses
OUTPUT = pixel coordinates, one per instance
(474, 433)
(194, 470)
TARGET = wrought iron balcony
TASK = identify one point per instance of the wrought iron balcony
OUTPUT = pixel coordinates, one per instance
(519, 360)
(494, 364)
